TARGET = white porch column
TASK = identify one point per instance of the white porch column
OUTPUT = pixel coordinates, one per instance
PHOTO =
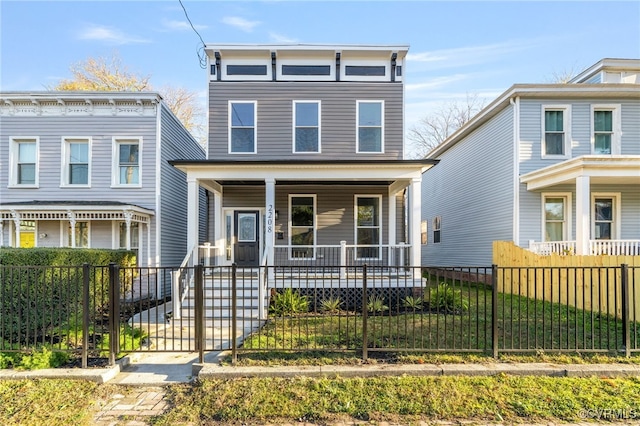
(415, 214)
(1, 232)
(72, 222)
(127, 221)
(218, 221)
(16, 227)
(392, 227)
(582, 215)
(270, 218)
(192, 217)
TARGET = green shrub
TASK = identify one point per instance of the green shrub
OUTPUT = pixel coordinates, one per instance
(34, 360)
(376, 304)
(331, 305)
(288, 303)
(444, 297)
(412, 302)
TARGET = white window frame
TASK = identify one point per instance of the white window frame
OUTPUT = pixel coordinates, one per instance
(237, 61)
(372, 101)
(344, 63)
(616, 228)
(356, 227)
(315, 225)
(64, 233)
(294, 105)
(255, 126)
(567, 231)
(115, 170)
(436, 226)
(66, 161)
(14, 153)
(328, 61)
(566, 121)
(616, 148)
(115, 235)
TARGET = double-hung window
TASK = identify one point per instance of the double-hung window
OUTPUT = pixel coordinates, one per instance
(556, 130)
(78, 235)
(127, 167)
(302, 231)
(24, 161)
(437, 223)
(606, 129)
(75, 166)
(134, 236)
(368, 230)
(306, 126)
(242, 127)
(556, 210)
(605, 214)
(370, 132)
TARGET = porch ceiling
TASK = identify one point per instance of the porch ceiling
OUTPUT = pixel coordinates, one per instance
(601, 169)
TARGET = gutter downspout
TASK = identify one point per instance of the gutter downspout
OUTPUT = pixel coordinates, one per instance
(515, 103)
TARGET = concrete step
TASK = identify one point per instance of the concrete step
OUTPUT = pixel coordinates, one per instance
(248, 312)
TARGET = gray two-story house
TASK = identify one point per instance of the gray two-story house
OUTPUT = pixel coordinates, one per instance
(90, 169)
(551, 167)
(306, 158)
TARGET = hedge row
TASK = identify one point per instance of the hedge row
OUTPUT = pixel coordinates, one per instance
(53, 256)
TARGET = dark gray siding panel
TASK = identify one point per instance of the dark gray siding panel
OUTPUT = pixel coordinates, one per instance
(471, 189)
(274, 121)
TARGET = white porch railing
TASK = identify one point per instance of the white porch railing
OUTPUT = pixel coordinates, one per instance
(596, 247)
(182, 278)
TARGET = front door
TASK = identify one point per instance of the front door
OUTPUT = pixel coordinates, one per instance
(246, 236)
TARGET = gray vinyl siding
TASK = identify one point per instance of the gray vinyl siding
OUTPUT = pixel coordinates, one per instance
(471, 189)
(176, 143)
(102, 234)
(631, 129)
(274, 117)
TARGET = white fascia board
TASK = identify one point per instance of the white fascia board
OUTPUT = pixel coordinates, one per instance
(76, 208)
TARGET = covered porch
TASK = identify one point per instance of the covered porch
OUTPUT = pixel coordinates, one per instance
(603, 191)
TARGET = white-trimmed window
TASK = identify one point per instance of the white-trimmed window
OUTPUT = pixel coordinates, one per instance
(368, 226)
(437, 222)
(24, 162)
(370, 126)
(606, 129)
(242, 127)
(127, 167)
(556, 211)
(134, 234)
(80, 232)
(556, 130)
(423, 232)
(605, 214)
(302, 225)
(76, 162)
(306, 126)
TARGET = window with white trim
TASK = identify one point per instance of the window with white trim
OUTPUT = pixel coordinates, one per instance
(606, 128)
(302, 225)
(556, 216)
(423, 232)
(80, 232)
(605, 213)
(75, 161)
(24, 161)
(242, 127)
(556, 132)
(127, 166)
(437, 221)
(134, 233)
(370, 132)
(306, 126)
(368, 226)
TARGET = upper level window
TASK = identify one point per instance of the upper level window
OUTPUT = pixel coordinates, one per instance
(75, 166)
(606, 129)
(556, 132)
(24, 161)
(306, 70)
(306, 118)
(242, 127)
(246, 70)
(127, 162)
(368, 70)
(370, 132)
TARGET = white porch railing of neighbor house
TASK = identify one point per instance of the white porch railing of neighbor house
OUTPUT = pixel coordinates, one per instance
(596, 247)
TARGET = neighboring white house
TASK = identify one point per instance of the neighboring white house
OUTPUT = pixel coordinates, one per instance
(551, 167)
(90, 169)
(305, 157)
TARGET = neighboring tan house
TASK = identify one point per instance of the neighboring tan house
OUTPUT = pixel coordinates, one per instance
(551, 167)
(305, 157)
(89, 169)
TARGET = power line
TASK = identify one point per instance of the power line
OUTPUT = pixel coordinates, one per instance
(201, 55)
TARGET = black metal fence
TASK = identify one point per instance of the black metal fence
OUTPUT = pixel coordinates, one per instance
(102, 312)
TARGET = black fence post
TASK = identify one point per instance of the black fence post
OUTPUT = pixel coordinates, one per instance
(198, 276)
(494, 310)
(85, 315)
(114, 312)
(365, 340)
(234, 313)
(626, 301)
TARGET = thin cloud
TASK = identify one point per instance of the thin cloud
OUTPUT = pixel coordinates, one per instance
(240, 23)
(181, 26)
(279, 38)
(435, 83)
(109, 35)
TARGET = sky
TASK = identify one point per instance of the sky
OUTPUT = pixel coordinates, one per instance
(457, 49)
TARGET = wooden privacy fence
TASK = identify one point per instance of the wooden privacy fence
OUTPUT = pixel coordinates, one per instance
(584, 282)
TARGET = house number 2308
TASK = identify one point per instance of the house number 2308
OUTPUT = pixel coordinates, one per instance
(270, 219)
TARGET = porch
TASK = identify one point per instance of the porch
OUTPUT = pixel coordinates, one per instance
(596, 247)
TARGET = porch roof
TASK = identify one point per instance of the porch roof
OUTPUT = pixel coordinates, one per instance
(609, 169)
